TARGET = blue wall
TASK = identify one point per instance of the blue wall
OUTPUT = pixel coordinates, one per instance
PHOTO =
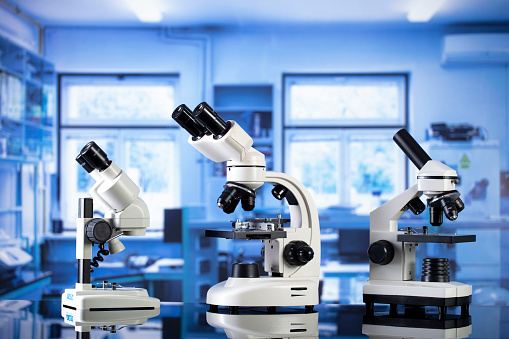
(473, 93)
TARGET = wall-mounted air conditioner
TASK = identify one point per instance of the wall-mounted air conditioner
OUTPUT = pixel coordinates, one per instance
(476, 48)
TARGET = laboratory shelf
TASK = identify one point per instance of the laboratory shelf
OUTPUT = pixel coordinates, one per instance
(11, 71)
(27, 88)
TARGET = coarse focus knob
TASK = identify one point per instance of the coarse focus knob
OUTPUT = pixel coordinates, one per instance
(98, 230)
(298, 253)
(381, 252)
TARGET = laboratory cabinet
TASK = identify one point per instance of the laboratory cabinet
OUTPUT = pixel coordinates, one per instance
(27, 152)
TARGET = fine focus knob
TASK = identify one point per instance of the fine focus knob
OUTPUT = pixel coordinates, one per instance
(381, 252)
(98, 230)
(298, 253)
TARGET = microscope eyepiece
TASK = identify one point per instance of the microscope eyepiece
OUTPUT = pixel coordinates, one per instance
(94, 157)
(184, 117)
(84, 164)
(211, 120)
(411, 148)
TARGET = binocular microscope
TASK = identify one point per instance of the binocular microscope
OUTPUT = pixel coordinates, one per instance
(127, 215)
(392, 252)
(291, 254)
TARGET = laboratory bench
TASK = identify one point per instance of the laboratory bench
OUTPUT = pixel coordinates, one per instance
(42, 319)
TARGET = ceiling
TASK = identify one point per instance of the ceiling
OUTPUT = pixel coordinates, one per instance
(198, 13)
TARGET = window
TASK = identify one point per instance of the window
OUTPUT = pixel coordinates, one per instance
(129, 117)
(338, 137)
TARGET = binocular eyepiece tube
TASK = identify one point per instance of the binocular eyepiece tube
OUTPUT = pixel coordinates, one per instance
(203, 120)
(184, 117)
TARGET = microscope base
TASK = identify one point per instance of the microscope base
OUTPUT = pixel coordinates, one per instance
(280, 325)
(84, 320)
(264, 292)
(109, 300)
(417, 293)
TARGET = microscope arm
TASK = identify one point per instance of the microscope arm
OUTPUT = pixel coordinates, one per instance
(304, 227)
(385, 218)
(304, 214)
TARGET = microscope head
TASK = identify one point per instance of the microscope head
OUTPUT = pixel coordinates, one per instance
(115, 191)
(222, 141)
(435, 180)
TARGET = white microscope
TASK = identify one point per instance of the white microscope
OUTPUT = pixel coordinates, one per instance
(128, 215)
(291, 254)
(392, 252)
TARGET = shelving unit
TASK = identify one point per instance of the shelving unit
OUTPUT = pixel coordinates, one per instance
(27, 134)
(251, 106)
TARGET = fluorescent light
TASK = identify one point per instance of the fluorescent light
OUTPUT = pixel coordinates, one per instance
(146, 10)
(423, 10)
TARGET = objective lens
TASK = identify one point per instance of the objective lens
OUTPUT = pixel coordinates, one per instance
(248, 203)
(450, 210)
(227, 201)
(435, 216)
(460, 206)
(416, 206)
(184, 117)
(210, 119)
(94, 156)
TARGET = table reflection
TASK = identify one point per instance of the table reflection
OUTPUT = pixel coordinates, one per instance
(44, 319)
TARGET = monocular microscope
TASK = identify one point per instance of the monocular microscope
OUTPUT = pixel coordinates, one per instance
(127, 215)
(291, 253)
(392, 252)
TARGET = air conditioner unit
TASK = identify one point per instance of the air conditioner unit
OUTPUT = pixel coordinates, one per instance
(476, 48)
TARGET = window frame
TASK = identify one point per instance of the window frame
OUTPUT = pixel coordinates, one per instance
(172, 78)
(151, 127)
(290, 128)
(331, 78)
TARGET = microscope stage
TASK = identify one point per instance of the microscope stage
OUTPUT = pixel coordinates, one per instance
(245, 234)
(441, 238)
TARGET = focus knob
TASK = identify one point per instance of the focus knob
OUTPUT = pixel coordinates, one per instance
(98, 230)
(381, 252)
(298, 253)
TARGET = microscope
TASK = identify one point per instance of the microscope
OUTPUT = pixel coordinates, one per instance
(392, 252)
(127, 215)
(291, 253)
